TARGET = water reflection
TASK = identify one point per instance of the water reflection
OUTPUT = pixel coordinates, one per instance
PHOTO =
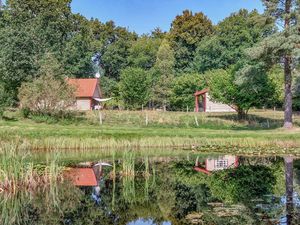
(138, 191)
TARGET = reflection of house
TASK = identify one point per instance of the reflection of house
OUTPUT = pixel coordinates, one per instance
(87, 93)
(220, 163)
(203, 103)
(82, 176)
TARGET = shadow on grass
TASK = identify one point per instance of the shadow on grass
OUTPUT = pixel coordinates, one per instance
(6, 118)
(253, 122)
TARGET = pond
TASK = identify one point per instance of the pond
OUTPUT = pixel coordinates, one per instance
(189, 188)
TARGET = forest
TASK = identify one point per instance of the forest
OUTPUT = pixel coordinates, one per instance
(248, 60)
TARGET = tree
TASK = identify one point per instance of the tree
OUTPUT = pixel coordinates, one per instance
(241, 88)
(79, 49)
(111, 47)
(183, 89)
(282, 47)
(29, 30)
(134, 87)
(143, 52)
(232, 36)
(164, 68)
(187, 30)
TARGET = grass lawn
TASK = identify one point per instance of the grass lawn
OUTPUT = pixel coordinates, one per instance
(262, 131)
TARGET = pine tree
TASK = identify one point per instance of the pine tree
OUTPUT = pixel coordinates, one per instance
(282, 47)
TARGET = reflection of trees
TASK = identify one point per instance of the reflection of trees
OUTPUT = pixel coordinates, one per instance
(242, 184)
(177, 193)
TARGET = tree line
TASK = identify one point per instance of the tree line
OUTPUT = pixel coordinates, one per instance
(247, 60)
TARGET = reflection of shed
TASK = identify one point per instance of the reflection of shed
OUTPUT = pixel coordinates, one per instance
(82, 176)
(203, 103)
(220, 163)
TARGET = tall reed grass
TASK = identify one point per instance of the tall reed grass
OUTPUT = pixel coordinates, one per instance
(18, 172)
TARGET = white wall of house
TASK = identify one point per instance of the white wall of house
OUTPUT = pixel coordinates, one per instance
(220, 163)
(217, 107)
(83, 104)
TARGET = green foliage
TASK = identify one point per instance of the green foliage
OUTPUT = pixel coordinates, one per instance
(187, 30)
(142, 53)
(31, 30)
(233, 35)
(183, 89)
(111, 47)
(242, 183)
(164, 74)
(79, 50)
(134, 87)
(5, 100)
(241, 88)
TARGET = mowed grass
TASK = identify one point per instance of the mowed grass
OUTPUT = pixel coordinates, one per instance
(155, 129)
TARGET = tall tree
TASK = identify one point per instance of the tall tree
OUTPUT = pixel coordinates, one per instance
(164, 68)
(282, 47)
(143, 52)
(134, 87)
(29, 30)
(187, 30)
(111, 44)
(232, 36)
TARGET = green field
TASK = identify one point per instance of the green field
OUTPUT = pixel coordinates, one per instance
(260, 133)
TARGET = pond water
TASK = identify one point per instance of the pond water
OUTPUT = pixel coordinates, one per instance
(144, 190)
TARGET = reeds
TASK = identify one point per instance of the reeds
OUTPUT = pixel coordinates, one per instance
(18, 172)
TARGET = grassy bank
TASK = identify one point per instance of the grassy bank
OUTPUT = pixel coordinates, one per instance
(204, 132)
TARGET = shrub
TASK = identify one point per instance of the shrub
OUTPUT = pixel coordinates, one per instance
(46, 96)
(25, 112)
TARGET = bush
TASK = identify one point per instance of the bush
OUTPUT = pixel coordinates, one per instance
(25, 112)
(47, 96)
(183, 89)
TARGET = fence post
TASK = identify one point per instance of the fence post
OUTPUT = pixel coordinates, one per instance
(100, 117)
(147, 119)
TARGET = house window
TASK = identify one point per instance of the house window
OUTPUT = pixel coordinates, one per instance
(221, 163)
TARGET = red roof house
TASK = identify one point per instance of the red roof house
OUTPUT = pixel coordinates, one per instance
(81, 176)
(87, 92)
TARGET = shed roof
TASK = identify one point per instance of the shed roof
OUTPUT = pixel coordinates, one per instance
(82, 176)
(84, 87)
(197, 93)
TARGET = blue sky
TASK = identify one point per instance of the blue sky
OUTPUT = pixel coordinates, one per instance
(142, 16)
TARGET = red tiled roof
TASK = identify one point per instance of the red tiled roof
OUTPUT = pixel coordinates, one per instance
(197, 93)
(84, 87)
(82, 176)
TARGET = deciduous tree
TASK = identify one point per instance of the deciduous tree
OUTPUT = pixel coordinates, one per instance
(134, 87)
(187, 30)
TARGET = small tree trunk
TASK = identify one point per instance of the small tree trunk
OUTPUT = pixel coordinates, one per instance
(241, 114)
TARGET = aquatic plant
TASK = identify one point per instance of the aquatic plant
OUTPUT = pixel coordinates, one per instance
(18, 172)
